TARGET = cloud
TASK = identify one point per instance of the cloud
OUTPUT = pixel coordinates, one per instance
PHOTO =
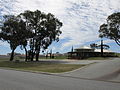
(4, 44)
(81, 18)
(105, 41)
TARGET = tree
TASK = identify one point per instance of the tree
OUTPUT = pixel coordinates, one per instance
(96, 46)
(93, 45)
(111, 30)
(45, 27)
(8, 33)
(14, 32)
(101, 46)
(39, 28)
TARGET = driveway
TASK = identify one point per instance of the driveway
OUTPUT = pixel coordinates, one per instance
(108, 70)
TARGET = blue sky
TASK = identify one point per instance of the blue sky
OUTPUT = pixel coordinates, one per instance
(81, 20)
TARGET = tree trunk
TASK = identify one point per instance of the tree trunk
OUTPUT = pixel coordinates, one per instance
(37, 53)
(12, 55)
(32, 51)
(37, 50)
(37, 56)
(26, 55)
(32, 56)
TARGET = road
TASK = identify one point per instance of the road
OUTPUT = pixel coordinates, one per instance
(108, 70)
(17, 80)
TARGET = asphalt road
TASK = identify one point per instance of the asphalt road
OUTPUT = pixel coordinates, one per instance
(17, 80)
(108, 70)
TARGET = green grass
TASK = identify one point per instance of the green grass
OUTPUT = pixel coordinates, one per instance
(118, 54)
(7, 58)
(98, 58)
(4, 59)
(61, 57)
(41, 67)
(56, 57)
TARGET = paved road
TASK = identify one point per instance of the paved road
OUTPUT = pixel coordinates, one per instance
(17, 80)
(108, 70)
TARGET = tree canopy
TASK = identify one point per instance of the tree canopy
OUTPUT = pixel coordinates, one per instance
(111, 29)
(14, 32)
(96, 46)
(35, 27)
(45, 27)
(101, 46)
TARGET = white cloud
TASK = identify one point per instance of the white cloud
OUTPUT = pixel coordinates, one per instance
(4, 44)
(81, 18)
(105, 41)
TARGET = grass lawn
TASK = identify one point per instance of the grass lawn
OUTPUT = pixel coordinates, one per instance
(4, 59)
(56, 57)
(99, 58)
(41, 67)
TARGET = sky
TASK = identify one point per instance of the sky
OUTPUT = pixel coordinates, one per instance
(81, 20)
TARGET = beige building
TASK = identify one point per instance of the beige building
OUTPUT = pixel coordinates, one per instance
(85, 52)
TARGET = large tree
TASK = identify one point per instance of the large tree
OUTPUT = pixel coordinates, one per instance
(13, 30)
(111, 29)
(8, 32)
(39, 28)
(45, 27)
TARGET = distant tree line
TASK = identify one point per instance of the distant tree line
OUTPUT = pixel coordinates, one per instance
(34, 29)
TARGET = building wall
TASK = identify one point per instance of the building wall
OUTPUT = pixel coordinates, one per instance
(83, 55)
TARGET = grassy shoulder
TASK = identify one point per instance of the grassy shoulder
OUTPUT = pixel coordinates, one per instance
(40, 67)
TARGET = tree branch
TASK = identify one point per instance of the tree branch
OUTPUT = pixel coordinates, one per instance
(117, 41)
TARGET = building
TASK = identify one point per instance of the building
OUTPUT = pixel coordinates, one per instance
(86, 52)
